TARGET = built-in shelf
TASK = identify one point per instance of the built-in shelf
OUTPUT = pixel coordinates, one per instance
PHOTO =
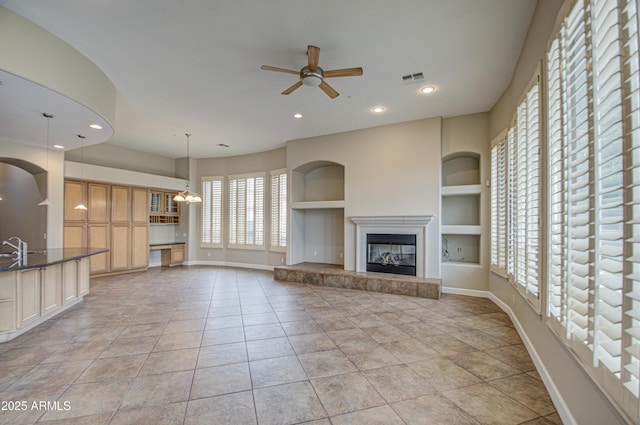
(461, 199)
(461, 168)
(317, 213)
(455, 229)
(461, 248)
(317, 205)
(464, 189)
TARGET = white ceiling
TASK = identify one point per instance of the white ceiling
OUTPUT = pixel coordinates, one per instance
(194, 66)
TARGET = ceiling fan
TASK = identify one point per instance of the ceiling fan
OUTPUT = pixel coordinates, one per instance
(312, 75)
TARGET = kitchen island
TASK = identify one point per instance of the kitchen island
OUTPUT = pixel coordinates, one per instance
(44, 284)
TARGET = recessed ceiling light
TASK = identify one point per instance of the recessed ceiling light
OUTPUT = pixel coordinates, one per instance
(427, 89)
(378, 109)
(297, 116)
(58, 146)
(95, 126)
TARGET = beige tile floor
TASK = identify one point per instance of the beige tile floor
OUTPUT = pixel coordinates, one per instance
(203, 345)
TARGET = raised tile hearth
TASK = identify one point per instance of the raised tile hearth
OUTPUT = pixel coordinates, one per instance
(335, 277)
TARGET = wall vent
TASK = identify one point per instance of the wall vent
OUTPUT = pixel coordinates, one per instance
(415, 78)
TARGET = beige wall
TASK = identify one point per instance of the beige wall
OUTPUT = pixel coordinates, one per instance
(389, 170)
(55, 186)
(260, 162)
(581, 400)
(125, 159)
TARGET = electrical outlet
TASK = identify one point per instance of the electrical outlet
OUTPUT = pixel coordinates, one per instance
(341, 255)
(315, 253)
(208, 254)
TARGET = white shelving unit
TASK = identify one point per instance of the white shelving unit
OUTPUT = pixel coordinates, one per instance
(461, 201)
(317, 214)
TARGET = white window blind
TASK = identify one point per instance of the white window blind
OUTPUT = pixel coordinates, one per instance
(499, 205)
(523, 197)
(211, 212)
(279, 208)
(594, 193)
(246, 210)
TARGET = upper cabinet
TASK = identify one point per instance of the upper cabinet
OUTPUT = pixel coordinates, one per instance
(162, 208)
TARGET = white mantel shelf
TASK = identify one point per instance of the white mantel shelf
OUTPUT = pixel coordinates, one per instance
(395, 220)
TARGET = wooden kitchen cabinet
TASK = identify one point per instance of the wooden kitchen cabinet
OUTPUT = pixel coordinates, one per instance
(162, 208)
(117, 219)
(98, 208)
(74, 194)
(51, 283)
(99, 237)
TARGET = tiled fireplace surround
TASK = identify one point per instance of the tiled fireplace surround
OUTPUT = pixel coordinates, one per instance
(335, 276)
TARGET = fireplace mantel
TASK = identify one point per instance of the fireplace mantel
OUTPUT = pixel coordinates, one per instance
(402, 224)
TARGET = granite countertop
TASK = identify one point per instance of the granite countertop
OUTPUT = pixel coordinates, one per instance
(166, 243)
(42, 258)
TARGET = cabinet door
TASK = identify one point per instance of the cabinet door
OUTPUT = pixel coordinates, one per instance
(120, 204)
(177, 254)
(29, 296)
(51, 288)
(74, 194)
(155, 202)
(139, 205)
(69, 281)
(120, 247)
(75, 235)
(98, 203)
(83, 276)
(99, 238)
(139, 246)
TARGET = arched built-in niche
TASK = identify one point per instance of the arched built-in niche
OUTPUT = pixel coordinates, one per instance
(317, 213)
(22, 186)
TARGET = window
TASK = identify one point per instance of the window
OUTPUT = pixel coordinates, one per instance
(499, 205)
(279, 208)
(211, 212)
(246, 211)
(593, 214)
(515, 199)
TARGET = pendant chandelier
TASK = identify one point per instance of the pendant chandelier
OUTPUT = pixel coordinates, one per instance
(187, 195)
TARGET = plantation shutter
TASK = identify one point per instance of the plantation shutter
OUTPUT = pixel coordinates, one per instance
(499, 205)
(556, 186)
(211, 211)
(279, 208)
(246, 210)
(594, 193)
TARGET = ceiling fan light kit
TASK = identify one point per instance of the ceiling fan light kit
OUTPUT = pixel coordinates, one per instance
(314, 76)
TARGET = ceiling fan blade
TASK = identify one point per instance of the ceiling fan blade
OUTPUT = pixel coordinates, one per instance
(273, 68)
(330, 91)
(348, 72)
(292, 88)
(314, 55)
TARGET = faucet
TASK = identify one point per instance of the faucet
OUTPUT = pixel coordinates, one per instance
(20, 250)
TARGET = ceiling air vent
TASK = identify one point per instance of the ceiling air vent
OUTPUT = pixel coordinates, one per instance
(415, 78)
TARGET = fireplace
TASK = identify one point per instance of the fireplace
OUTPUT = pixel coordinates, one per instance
(391, 253)
(414, 226)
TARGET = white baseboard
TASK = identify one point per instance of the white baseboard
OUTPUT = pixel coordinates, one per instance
(229, 264)
(554, 393)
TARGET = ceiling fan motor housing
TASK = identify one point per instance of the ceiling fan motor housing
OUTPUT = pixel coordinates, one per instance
(311, 78)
